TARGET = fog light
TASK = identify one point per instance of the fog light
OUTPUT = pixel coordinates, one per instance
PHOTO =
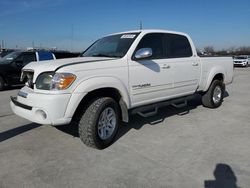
(41, 114)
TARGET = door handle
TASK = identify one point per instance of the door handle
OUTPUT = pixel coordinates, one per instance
(166, 67)
(195, 64)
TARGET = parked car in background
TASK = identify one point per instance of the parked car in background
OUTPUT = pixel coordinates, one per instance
(241, 61)
(12, 64)
(65, 54)
(5, 52)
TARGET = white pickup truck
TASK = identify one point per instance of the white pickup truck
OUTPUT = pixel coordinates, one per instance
(120, 74)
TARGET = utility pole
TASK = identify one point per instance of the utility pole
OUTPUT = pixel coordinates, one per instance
(2, 44)
(140, 25)
(72, 37)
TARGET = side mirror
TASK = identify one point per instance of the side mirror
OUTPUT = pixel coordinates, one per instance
(143, 53)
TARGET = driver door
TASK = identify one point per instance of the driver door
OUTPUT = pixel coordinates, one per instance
(151, 79)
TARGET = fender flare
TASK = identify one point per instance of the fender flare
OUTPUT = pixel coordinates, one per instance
(215, 70)
(95, 83)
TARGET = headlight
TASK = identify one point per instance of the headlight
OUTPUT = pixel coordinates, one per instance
(62, 81)
(54, 81)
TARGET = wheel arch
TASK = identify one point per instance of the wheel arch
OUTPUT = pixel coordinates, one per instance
(103, 86)
(103, 92)
(219, 77)
(216, 74)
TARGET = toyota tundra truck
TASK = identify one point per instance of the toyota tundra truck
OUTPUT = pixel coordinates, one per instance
(134, 72)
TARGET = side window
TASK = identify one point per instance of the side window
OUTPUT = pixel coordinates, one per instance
(155, 42)
(177, 46)
(28, 57)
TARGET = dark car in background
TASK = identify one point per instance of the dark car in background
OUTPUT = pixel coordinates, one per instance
(65, 54)
(4, 52)
(11, 65)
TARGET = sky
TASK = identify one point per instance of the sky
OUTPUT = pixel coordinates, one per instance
(75, 24)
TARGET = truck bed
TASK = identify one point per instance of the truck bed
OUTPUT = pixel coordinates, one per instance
(210, 66)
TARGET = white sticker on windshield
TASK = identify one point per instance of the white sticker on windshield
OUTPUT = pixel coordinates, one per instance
(128, 36)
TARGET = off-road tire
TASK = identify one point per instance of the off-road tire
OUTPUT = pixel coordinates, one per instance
(88, 124)
(207, 98)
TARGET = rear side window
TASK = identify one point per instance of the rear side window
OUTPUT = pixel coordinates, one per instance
(155, 42)
(177, 46)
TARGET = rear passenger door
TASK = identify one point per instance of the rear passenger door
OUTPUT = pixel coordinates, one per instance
(186, 66)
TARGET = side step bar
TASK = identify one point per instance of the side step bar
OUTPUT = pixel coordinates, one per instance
(152, 109)
(148, 114)
(180, 105)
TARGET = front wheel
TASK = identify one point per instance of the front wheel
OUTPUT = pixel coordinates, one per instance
(214, 96)
(99, 123)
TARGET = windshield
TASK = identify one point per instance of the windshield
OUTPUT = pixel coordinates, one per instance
(111, 46)
(241, 57)
(9, 58)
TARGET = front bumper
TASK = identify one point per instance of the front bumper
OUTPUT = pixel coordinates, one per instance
(240, 64)
(41, 108)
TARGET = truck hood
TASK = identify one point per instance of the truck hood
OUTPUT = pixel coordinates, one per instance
(54, 65)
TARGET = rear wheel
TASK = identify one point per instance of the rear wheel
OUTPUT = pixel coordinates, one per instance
(214, 96)
(1, 83)
(99, 123)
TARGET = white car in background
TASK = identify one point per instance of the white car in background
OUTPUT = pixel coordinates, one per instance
(242, 61)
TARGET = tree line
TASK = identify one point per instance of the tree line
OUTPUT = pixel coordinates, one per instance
(232, 51)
